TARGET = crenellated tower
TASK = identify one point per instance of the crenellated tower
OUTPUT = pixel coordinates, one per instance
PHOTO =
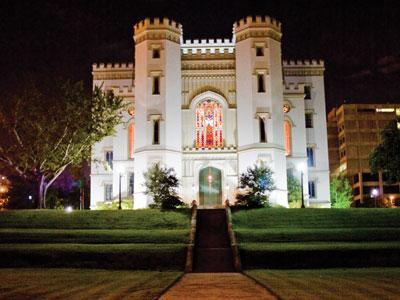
(158, 125)
(259, 90)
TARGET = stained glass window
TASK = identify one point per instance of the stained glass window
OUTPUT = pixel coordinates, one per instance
(209, 125)
(131, 135)
(288, 137)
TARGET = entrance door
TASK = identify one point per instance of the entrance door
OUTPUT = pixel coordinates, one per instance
(210, 186)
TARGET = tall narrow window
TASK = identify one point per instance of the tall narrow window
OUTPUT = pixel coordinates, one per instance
(263, 136)
(209, 125)
(311, 189)
(109, 158)
(156, 132)
(310, 157)
(156, 85)
(108, 192)
(131, 135)
(309, 120)
(259, 51)
(260, 83)
(307, 92)
(288, 137)
(131, 183)
(156, 53)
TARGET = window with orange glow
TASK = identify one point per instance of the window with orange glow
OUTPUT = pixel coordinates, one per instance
(288, 137)
(209, 125)
(131, 133)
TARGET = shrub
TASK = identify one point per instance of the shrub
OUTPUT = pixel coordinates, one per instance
(161, 184)
(256, 183)
(341, 193)
(294, 191)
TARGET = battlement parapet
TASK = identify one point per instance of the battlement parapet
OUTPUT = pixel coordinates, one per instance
(157, 23)
(257, 21)
(304, 63)
(208, 46)
(292, 87)
(112, 66)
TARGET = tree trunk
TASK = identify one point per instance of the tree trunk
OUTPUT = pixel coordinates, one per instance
(41, 187)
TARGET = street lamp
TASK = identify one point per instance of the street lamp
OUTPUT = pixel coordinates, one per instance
(374, 193)
(120, 170)
(302, 167)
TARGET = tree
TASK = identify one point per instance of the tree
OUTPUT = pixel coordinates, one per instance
(341, 193)
(386, 156)
(44, 129)
(294, 191)
(161, 184)
(257, 182)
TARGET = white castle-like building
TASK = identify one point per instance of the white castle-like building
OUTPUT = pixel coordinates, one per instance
(210, 109)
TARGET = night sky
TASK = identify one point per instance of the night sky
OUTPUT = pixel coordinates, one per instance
(360, 42)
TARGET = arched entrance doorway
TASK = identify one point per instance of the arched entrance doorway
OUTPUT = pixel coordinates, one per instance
(210, 186)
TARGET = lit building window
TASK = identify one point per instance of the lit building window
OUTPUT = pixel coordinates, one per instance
(288, 137)
(310, 157)
(209, 125)
(311, 189)
(131, 135)
(109, 158)
(108, 192)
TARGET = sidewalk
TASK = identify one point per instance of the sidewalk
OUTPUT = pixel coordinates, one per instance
(216, 286)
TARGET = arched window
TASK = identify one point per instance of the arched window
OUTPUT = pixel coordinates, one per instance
(209, 125)
(131, 135)
(287, 127)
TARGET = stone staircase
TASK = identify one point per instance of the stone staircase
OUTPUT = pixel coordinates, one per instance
(212, 252)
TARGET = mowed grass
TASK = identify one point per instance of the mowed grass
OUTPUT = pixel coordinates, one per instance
(371, 283)
(101, 219)
(137, 240)
(312, 238)
(82, 284)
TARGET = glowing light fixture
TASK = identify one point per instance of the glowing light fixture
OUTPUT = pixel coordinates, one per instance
(69, 209)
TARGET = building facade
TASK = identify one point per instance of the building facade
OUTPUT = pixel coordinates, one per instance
(210, 109)
(353, 133)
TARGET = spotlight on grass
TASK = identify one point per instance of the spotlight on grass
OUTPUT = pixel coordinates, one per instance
(68, 209)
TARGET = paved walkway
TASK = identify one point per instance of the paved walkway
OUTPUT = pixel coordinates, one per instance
(216, 286)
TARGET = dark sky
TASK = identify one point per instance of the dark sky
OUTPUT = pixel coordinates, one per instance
(359, 41)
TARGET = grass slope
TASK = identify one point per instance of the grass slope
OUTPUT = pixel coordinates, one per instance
(312, 238)
(371, 283)
(82, 284)
(101, 219)
(138, 240)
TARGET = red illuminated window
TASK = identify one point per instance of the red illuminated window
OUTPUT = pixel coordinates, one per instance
(209, 125)
(288, 137)
(131, 135)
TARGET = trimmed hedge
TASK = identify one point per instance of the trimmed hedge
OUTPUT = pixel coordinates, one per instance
(120, 256)
(93, 236)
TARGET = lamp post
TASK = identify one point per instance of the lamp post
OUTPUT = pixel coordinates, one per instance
(120, 170)
(301, 167)
(374, 193)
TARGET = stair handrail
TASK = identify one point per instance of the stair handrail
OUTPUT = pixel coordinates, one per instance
(235, 249)
(192, 238)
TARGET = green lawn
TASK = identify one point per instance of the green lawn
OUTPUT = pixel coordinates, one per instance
(371, 283)
(137, 240)
(312, 238)
(101, 219)
(82, 284)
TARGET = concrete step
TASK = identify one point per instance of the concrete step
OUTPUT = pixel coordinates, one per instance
(213, 260)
